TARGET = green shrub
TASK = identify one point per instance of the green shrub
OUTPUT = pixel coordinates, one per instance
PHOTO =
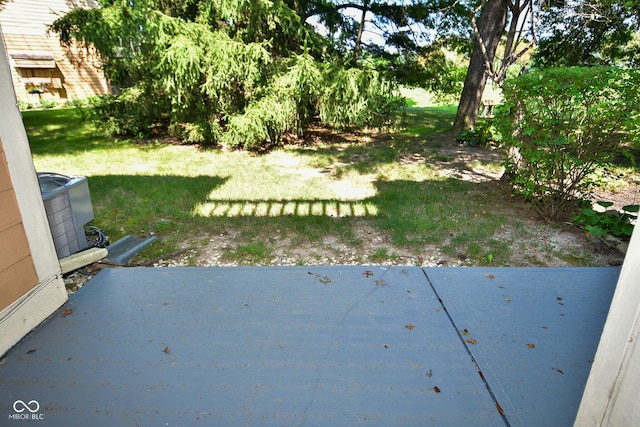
(24, 105)
(48, 103)
(560, 125)
(482, 136)
(76, 103)
(617, 223)
(135, 112)
(356, 97)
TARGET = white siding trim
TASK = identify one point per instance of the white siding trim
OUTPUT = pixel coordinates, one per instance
(612, 393)
(29, 311)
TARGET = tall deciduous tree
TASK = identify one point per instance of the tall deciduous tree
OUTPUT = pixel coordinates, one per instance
(490, 27)
(590, 32)
(582, 32)
(510, 22)
(404, 40)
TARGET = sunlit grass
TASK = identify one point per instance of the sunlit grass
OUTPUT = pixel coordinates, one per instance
(277, 208)
(180, 193)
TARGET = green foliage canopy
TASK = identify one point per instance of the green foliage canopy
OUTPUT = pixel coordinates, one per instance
(589, 32)
(560, 125)
(237, 73)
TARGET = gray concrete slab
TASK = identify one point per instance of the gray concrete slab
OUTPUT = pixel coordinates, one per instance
(532, 331)
(248, 346)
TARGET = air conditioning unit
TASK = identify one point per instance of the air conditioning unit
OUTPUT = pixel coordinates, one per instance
(68, 205)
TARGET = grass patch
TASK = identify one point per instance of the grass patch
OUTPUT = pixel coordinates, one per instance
(298, 194)
(257, 252)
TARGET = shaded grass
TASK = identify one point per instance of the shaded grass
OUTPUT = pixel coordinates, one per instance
(181, 193)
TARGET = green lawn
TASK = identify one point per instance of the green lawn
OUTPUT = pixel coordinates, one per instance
(303, 194)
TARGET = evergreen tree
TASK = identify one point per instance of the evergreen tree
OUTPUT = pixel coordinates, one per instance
(241, 73)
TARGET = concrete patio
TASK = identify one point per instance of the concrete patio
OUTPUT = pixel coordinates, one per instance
(292, 346)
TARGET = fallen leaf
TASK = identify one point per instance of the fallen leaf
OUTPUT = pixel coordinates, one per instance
(560, 371)
(501, 287)
(67, 312)
(166, 350)
(531, 345)
(490, 276)
(499, 408)
(367, 273)
(404, 271)
(381, 283)
(33, 350)
(386, 346)
(409, 326)
(472, 341)
(430, 373)
(437, 389)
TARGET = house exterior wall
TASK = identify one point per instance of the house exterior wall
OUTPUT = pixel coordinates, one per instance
(17, 271)
(63, 74)
(612, 394)
(31, 285)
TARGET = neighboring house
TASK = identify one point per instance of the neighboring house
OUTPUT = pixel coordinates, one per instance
(40, 67)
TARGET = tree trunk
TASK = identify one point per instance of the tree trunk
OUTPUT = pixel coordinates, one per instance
(356, 50)
(491, 25)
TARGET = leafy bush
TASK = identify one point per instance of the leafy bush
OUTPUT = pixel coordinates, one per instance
(48, 103)
(76, 103)
(613, 222)
(134, 112)
(560, 125)
(24, 105)
(481, 136)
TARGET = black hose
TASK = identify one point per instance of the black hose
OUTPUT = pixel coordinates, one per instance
(98, 238)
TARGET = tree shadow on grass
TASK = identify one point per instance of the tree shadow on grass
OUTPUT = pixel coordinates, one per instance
(410, 212)
(140, 204)
(65, 131)
(181, 210)
(367, 151)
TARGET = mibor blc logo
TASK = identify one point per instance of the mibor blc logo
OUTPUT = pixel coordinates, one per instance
(26, 410)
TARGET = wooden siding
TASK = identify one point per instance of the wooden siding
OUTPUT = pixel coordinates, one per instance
(75, 73)
(31, 17)
(17, 270)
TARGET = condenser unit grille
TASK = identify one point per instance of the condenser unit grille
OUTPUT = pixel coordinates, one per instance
(68, 206)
